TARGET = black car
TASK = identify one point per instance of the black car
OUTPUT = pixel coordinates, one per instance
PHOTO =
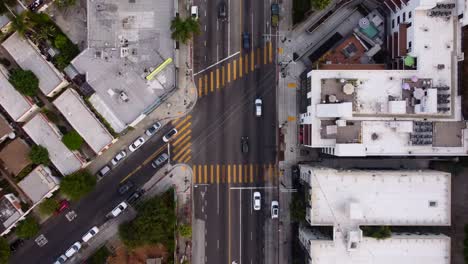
(246, 41)
(16, 244)
(245, 144)
(222, 11)
(125, 187)
(135, 196)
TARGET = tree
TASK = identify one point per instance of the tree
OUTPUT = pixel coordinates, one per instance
(23, 22)
(72, 140)
(78, 184)
(5, 251)
(60, 41)
(182, 30)
(48, 206)
(28, 228)
(25, 82)
(39, 155)
(185, 230)
(320, 4)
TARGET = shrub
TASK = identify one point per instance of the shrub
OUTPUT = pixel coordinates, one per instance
(72, 140)
(185, 230)
(381, 232)
(320, 4)
(28, 228)
(25, 82)
(5, 251)
(39, 155)
(48, 206)
(60, 41)
(78, 184)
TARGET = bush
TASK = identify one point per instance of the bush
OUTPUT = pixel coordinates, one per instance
(185, 230)
(60, 41)
(72, 140)
(28, 228)
(78, 184)
(381, 232)
(100, 256)
(48, 206)
(25, 82)
(39, 155)
(5, 251)
(320, 4)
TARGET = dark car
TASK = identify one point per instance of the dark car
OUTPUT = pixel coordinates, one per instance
(125, 187)
(35, 5)
(246, 41)
(222, 11)
(63, 205)
(245, 144)
(135, 196)
(16, 244)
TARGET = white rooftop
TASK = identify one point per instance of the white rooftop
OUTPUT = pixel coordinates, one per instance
(28, 58)
(12, 101)
(42, 133)
(73, 108)
(38, 183)
(354, 197)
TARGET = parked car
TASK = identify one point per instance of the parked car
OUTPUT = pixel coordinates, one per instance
(258, 107)
(245, 144)
(35, 5)
(90, 234)
(120, 156)
(135, 196)
(63, 205)
(246, 41)
(125, 187)
(222, 11)
(136, 144)
(274, 209)
(257, 201)
(169, 135)
(73, 249)
(118, 209)
(62, 259)
(104, 171)
(153, 129)
(160, 160)
(16, 244)
(194, 12)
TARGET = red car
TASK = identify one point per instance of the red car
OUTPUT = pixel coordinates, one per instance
(63, 205)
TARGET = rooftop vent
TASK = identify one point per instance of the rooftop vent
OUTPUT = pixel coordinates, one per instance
(432, 204)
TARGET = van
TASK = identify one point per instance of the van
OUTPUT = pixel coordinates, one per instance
(103, 171)
(194, 12)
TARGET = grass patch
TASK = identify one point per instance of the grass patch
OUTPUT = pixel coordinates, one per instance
(100, 256)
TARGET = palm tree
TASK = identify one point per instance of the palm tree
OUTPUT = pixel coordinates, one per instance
(182, 30)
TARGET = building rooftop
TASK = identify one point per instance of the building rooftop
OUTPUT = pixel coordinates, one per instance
(11, 100)
(39, 183)
(5, 127)
(10, 211)
(43, 133)
(29, 58)
(15, 156)
(127, 40)
(355, 197)
(74, 109)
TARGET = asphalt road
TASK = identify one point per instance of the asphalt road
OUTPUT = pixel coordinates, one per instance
(229, 79)
(92, 210)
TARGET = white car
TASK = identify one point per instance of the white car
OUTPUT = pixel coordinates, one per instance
(274, 209)
(119, 209)
(73, 249)
(258, 107)
(136, 144)
(120, 156)
(257, 201)
(169, 135)
(91, 233)
(194, 12)
(153, 129)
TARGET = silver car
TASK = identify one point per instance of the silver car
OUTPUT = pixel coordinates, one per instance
(160, 160)
(120, 156)
(274, 209)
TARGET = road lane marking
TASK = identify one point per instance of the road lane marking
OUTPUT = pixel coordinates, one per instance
(186, 137)
(292, 85)
(200, 87)
(205, 173)
(211, 174)
(229, 72)
(151, 157)
(183, 129)
(217, 78)
(234, 174)
(251, 172)
(211, 81)
(206, 84)
(234, 69)
(194, 173)
(179, 139)
(252, 60)
(182, 150)
(218, 62)
(178, 123)
(222, 74)
(186, 157)
(270, 51)
(240, 66)
(291, 118)
(217, 173)
(265, 54)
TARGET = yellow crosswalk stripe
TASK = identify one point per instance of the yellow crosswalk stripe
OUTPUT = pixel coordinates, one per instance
(234, 175)
(179, 139)
(206, 84)
(211, 174)
(205, 174)
(246, 63)
(240, 66)
(240, 173)
(182, 150)
(186, 157)
(186, 138)
(217, 173)
(217, 78)
(211, 81)
(181, 131)
(265, 55)
(270, 51)
(229, 173)
(251, 172)
(179, 121)
(199, 174)
(252, 60)
(222, 76)
(194, 174)
(229, 72)
(234, 70)
(200, 87)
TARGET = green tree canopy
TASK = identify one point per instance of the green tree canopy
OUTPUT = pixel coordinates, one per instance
(72, 140)
(48, 206)
(60, 41)
(183, 30)
(185, 230)
(78, 184)
(155, 223)
(25, 82)
(5, 251)
(28, 228)
(39, 155)
(320, 4)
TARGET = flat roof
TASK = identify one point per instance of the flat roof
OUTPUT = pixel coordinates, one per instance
(5, 128)
(38, 183)
(126, 42)
(401, 249)
(9, 213)
(42, 133)
(11, 100)
(74, 109)
(28, 58)
(15, 156)
(378, 197)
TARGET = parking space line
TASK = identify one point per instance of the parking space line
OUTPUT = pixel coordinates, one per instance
(240, 66)
(217, 78)
(211, 81)
(206, 84)
(229, 72)
(222, 76)
(270, 51)
(205, 173)
(234, 69)
(252, 60)
(211, 174)
(200, 86)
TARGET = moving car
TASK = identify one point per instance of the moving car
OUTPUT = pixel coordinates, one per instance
(125, 187)
(258, 107)
(257, 201)
(63, 205)
(135, 196)
(16, 244)
(91, 233)
(160, 160)
(222, 11)
(245, 144)
(169, 135)
(194, 12)
(246, 41)
(153, 129)
(62, 259)
(103, 171)
(73, 249)
(136, 144)
(118, 209)
(120, 156)
(274, 209)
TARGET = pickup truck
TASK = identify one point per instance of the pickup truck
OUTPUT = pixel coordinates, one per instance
(274, 15)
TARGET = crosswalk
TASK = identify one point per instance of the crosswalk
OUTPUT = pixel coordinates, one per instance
(235, 173)
(181, 147)
(233, 69)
